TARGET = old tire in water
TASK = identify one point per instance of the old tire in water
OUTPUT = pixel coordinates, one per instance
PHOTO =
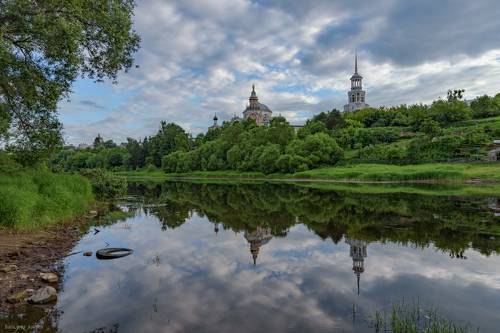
(113, 253)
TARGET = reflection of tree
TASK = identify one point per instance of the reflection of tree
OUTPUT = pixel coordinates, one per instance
(452, 224)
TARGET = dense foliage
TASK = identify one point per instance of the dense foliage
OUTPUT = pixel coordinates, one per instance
(44, 47)
(446, 130)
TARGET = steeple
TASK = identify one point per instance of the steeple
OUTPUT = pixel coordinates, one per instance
(356, 62)
(254, 100)
(215, 119)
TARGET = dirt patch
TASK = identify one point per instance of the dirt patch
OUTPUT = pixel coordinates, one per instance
(26, 254)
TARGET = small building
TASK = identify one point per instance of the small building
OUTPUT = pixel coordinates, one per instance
(356, 96)
(215, 125)
(83, 146)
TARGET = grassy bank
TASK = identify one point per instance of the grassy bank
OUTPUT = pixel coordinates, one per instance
(33, 198)
(453, 172)
(432, 171)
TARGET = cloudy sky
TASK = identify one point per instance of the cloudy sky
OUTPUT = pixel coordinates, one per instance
(199, 57)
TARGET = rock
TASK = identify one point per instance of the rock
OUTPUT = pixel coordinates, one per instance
(87, 254)
(8, 268)
(49, 277)
(24, 276)
(43, 295)
(20, 296)
(93, 213)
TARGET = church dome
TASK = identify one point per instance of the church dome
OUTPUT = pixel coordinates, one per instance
(258, 106)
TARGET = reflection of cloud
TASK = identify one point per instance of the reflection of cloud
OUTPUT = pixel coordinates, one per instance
(206, 283)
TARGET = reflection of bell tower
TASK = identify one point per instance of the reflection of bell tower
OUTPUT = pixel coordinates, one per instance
(216, 228)
(257, 238)
(358, 255)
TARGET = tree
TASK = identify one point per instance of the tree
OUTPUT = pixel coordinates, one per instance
(136, 154)
(446, 112)
(455, 95)
(44, 47)
(319, 149)
(268, 158)
(332, 119)
(430, 127)
(485, 106)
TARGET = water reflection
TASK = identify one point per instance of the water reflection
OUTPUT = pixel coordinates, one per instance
(358, 254)
(253, 258)
(256, 239)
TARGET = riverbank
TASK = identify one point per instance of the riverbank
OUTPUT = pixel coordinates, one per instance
(32, 198)
(484, 173)
(25, 254)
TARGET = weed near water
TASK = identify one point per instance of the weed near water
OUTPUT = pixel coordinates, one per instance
(33, 198)
(404, 317)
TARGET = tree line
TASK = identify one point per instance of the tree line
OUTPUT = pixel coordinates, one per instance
(448, 129)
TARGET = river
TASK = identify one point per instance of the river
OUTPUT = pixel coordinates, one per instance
(280, 258)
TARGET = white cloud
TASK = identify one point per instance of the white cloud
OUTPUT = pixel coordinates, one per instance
(201, 57)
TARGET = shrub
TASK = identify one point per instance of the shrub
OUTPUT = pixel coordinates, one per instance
(268, 158)
(318, 149)
(104, 184)
(33, 198)
(485, 106)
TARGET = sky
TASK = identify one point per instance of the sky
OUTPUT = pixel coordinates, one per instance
(200, 57)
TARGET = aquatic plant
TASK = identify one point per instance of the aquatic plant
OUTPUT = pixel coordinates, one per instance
(404, 317)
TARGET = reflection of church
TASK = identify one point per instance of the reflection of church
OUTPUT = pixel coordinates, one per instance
(494, 206)
(358, 255)
(257, 238)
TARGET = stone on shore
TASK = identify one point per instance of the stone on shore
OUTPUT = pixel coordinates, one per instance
(49, 277)
(87, 254)
(43, 295)
(19, 296)
(8, 268)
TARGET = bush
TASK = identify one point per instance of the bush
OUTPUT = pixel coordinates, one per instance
(105, 185)
(33, 198)
(318, 149)
(268, 158)
(485, 106)
(446, 112)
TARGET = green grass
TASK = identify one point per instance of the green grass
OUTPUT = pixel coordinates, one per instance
(34, 198)
(386, 172)
(454, 172)
(493, 121)
(411, 318)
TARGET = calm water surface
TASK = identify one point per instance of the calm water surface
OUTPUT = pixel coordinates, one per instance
(281, 258)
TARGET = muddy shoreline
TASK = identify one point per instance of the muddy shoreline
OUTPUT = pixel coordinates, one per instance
(26, 254)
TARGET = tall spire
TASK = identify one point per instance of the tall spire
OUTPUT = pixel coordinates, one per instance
(356, 61)
(253, 87)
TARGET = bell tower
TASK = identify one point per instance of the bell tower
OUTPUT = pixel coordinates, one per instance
(356, 96)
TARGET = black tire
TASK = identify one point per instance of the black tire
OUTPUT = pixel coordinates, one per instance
(113, 253)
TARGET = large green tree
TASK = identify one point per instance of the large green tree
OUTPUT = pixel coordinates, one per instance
(45, 45)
